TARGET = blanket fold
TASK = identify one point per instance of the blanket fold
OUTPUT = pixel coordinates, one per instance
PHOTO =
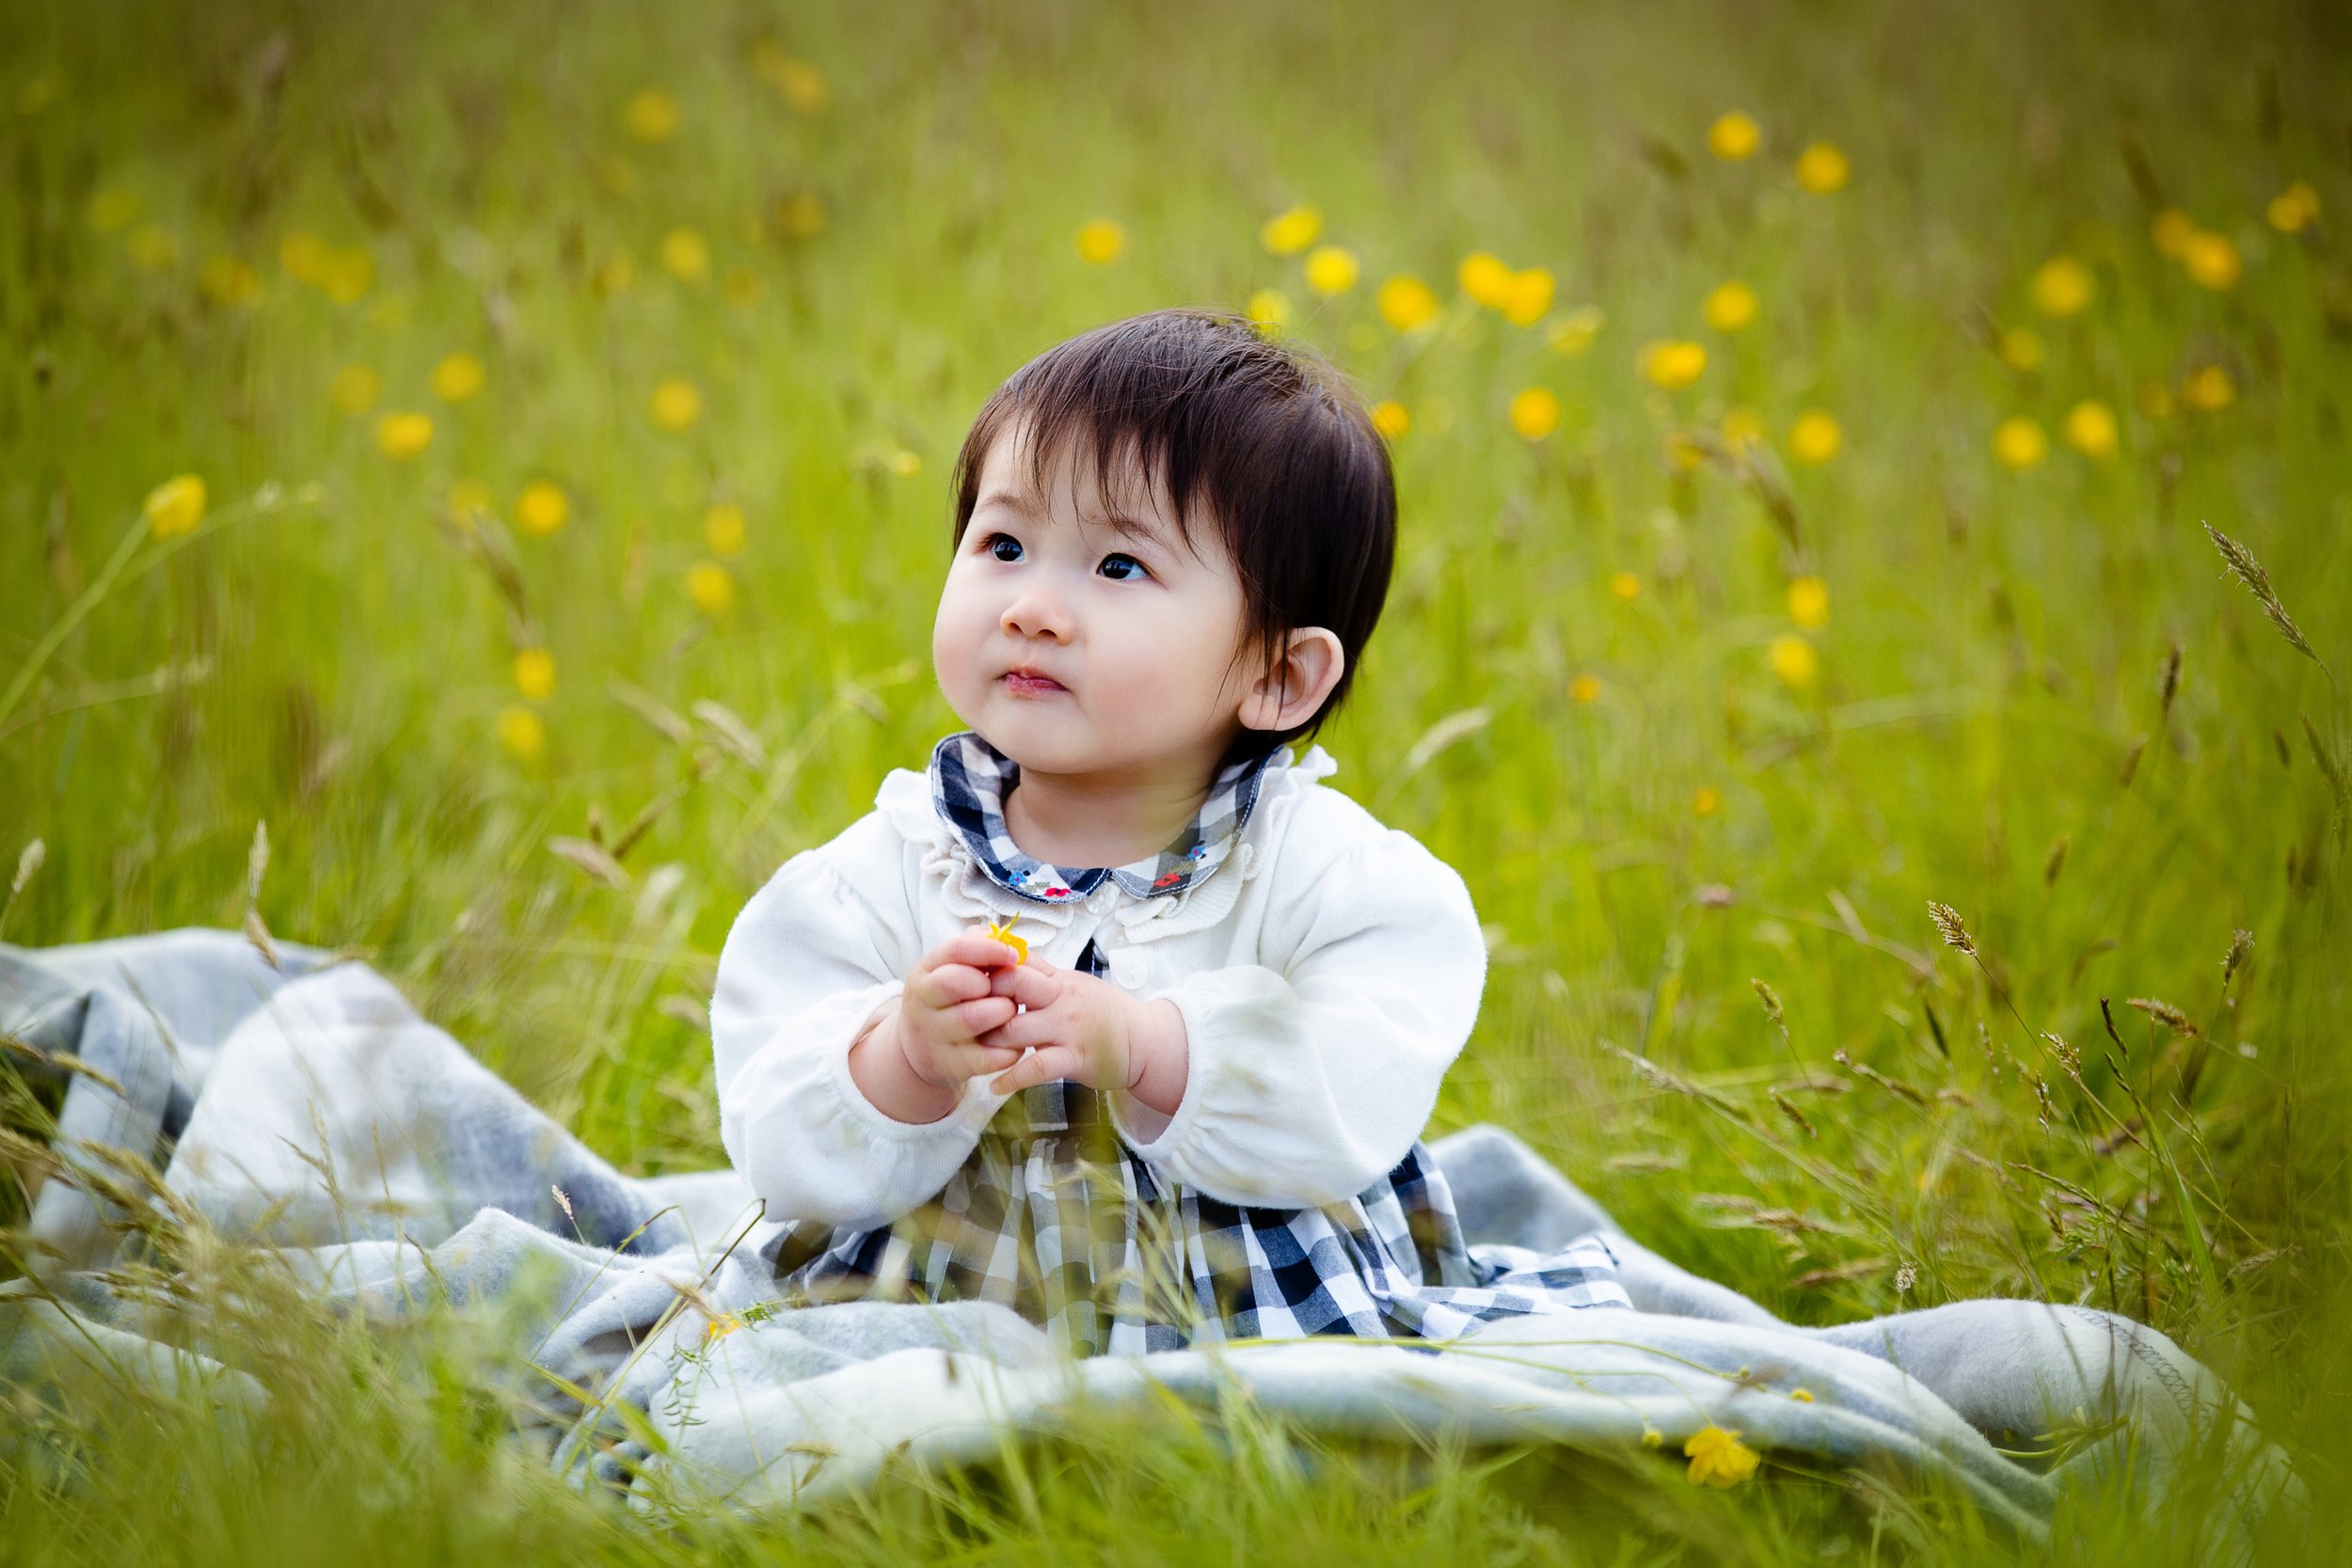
(308, 1108)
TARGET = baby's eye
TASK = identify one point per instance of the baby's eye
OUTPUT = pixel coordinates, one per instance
(1123, 568)
(1004, 547)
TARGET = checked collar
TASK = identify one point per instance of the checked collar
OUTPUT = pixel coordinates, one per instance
(969, 779)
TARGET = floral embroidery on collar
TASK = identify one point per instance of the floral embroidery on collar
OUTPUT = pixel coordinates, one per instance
(970, 779)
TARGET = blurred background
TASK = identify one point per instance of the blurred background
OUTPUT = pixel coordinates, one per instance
(497, 457)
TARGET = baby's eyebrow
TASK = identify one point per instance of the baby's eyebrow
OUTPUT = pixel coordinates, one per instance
(1149, 532)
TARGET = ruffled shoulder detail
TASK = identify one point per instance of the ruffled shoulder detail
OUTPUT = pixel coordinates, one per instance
(905, 801)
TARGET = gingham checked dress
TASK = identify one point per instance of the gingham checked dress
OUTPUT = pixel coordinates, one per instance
(1054, 1216)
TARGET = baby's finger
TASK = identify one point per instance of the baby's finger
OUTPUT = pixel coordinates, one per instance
(1023, 1029)
(983, 1014)
(975, 947)
(947, 984)
(978, 1061)
(1029, 987)
(1038, 1066)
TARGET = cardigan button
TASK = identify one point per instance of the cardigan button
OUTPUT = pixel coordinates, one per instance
(1129, 967)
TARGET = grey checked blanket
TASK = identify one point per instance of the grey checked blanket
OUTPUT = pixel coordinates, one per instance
(308, 1109)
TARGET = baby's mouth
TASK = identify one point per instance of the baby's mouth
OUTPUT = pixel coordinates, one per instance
(1031, 682)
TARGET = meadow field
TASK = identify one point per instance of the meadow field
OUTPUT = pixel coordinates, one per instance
(501, 454)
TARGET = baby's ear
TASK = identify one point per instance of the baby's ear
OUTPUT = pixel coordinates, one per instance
(1292, 686)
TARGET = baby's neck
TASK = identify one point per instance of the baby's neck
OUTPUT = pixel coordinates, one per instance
(1090, 819)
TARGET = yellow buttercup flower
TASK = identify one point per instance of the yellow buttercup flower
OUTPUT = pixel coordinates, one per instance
(1733, 137)
(711, 588)
(1815, 438)
(175, 506)
(542, 508)
(742, 288)
(1718, 1458)
(651, 116)
(1405, 302)
(2211, 260)
(457, 378)
(153, 248)
(721, 1326)
(2062, 286)
(226, 280)
(2171, 232)
(2295, 208)
(1584, 688)
(686, 255)
(906, 463)
(1485, 279)
(1625, 585)
(404, 436)
(799, 83)
(1390, 418)
(2208, 389)
(1671, 364)
(1527, 296)
(1331, 269)
(1706, 801)
(1002, 930)
(1101, 240)
(1269, 309)
(2091, 429)
(1288, 233)
(801, 214)
(112, 208)
(1729, 306)
(347, 274)
(471, 501)
(1793, 659)
(354, 390)
(2019, 347)
(2019, 443)
(676, 403)
(521, 732)
(1809, 602)
(1740, 426)
(1573, 334)
(614, 275)
(303, 255)
(1822, 168)
(535, 674)
(723, 529)
(1535, 412)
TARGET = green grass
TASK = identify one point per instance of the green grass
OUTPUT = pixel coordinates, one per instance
(1987, 727)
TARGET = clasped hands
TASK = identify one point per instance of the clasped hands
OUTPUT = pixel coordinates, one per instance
(972, 1006)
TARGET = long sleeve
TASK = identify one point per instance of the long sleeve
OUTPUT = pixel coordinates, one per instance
(1311, 1074)
(812, 955)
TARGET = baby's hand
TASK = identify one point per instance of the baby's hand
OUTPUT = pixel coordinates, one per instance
(948, 1003)
(1085, 1029)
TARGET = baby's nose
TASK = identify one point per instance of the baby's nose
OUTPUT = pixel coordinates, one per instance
(1034, 614)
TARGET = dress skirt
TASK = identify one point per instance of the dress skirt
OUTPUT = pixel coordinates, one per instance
(1054, 1216)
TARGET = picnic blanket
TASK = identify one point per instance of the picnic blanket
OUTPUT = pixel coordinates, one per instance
(306, 1107)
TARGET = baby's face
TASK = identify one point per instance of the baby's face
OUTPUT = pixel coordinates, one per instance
(1078, 632)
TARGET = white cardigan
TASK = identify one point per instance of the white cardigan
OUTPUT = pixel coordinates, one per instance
(1328, 973)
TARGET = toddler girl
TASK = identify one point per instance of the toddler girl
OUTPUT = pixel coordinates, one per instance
(1115, 1015)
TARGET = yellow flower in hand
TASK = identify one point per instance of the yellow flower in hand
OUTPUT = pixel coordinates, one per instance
(1719, 1459)
(1002, 931)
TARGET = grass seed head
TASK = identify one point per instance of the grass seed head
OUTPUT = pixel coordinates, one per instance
(2242, 565)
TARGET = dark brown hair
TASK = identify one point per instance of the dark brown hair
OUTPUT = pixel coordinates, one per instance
(1265, 432)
